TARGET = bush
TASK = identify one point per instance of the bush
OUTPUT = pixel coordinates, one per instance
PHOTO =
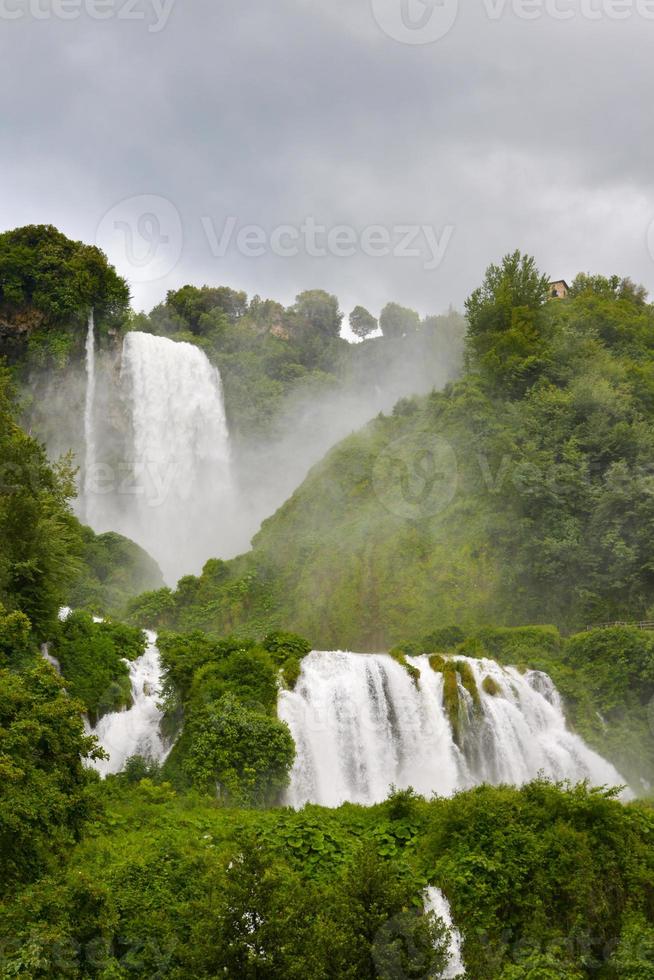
(92, 660)
(513, 645)
(244, 755)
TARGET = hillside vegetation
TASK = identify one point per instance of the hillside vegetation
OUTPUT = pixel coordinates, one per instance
(521, 493)
(192, 869)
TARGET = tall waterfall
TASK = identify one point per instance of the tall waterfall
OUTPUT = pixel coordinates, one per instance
(89, 427)
(361, 724)
(136, 731)
(177, 503)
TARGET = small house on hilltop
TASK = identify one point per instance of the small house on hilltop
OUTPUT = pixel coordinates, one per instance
(558, 289)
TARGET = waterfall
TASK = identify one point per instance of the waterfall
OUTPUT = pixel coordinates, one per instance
(361, 724)
(47, 656)
(436, 902)
(89, 429)
(136, 731)
(177, 503)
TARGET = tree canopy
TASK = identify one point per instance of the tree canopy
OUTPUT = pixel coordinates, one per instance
(398, 321)
(362, 322)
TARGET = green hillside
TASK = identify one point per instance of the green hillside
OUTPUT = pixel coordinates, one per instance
(521, 493)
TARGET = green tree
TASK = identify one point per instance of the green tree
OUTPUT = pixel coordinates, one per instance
(634, 957)
(398, 321)
(608, 287)
(44, 800)
(192, 304)
(362, 322)
(244, 754)
(267, 922)
(504, 322)
(48, 285)
(16, 645)
(317, 310)
(385, 935)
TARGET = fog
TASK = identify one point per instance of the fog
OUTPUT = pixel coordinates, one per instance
(383, 372)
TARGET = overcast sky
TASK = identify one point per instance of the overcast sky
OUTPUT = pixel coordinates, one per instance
(452, 135)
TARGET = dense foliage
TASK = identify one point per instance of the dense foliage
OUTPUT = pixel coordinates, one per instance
(44, 799)
(544, 882)
(92, 660)
(518, 494)
(41, 540)
(114, 569)
(48, 285)
(225, 691)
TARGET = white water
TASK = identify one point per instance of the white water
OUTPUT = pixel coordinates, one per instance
(47, 656)
(435, 901)
(89, 427)
(360, 725)
(136, 731)
(180, 493)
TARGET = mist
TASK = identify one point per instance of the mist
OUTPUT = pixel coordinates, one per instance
(167, 472)
(383, 372)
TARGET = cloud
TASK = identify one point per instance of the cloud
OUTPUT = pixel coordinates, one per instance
(514, 132)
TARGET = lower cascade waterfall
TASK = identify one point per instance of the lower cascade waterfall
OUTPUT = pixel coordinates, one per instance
(361, 724)
(436, 902)
(137, 730)
(175, 503)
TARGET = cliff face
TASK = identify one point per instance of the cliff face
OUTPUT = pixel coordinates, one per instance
(15, 328)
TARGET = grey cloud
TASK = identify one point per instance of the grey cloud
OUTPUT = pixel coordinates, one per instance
(516, 133)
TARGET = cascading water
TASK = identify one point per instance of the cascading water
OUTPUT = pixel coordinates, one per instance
(436, 902)
(361, 724)
(136, 731)
(181, 488)
(89, 428)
